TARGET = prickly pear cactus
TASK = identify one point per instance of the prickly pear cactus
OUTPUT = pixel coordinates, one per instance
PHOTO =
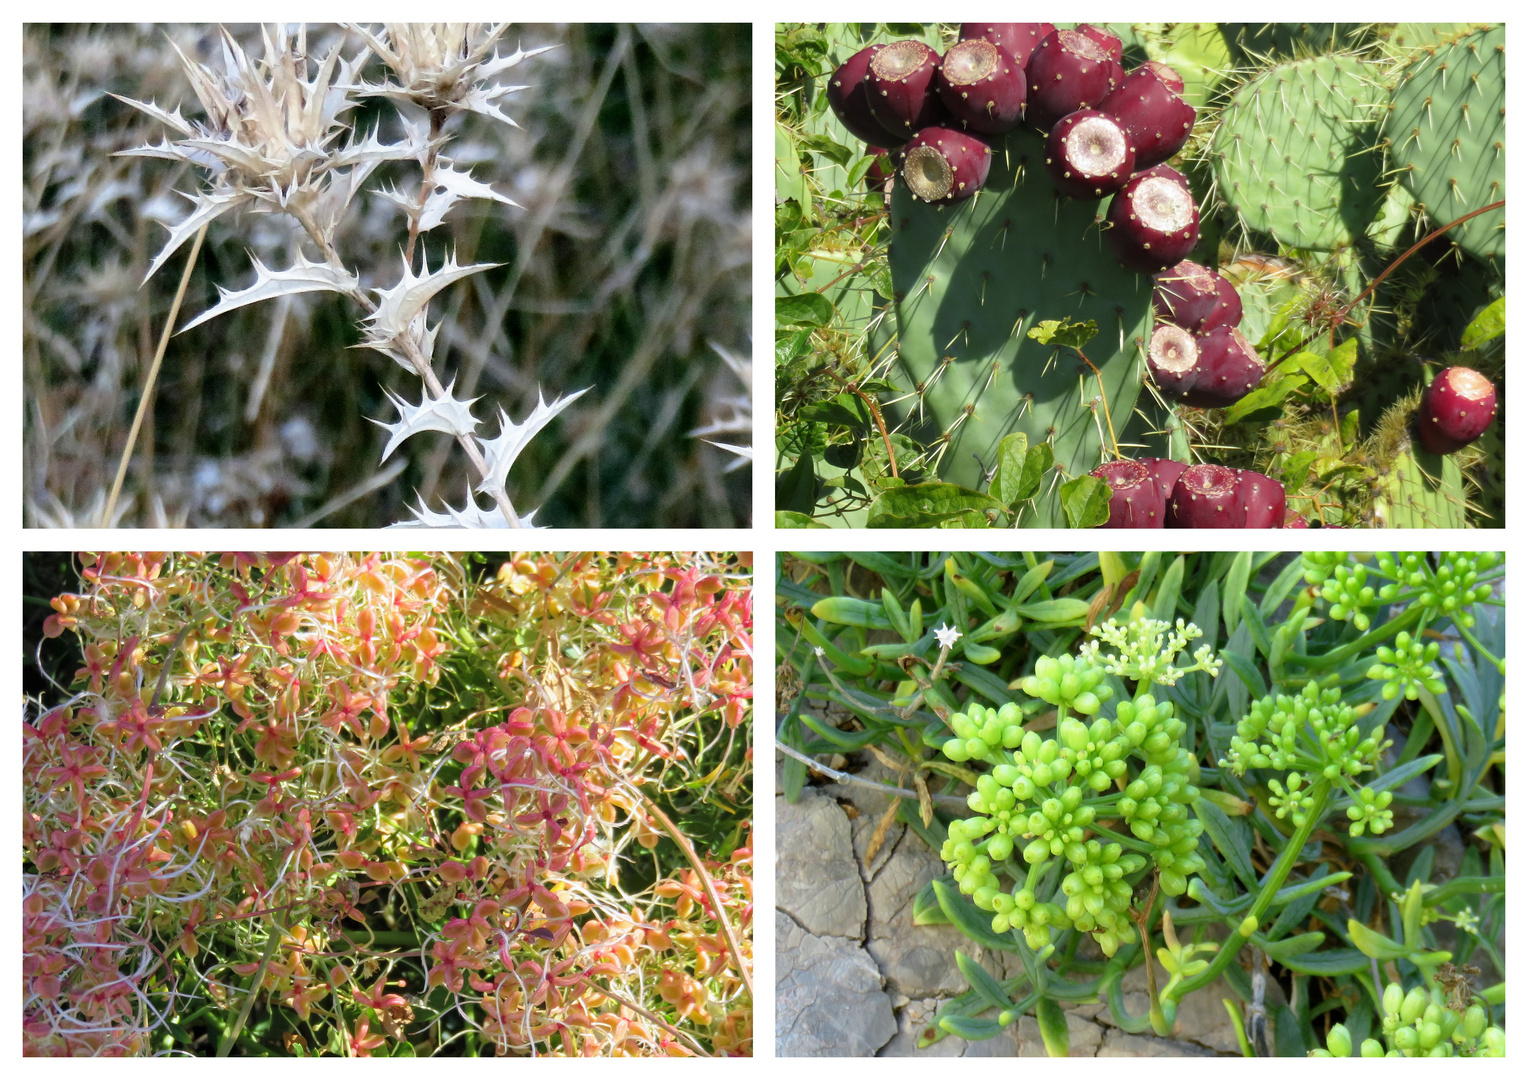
(1295, 152)
(972, 279)
(1409, 497)
(1447, 131)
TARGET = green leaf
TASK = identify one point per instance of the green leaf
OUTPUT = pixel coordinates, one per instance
(986, 987)
(790, 181)
(1374, 944)
(1247, 672)
(1037, 462)
(1064, 333)
(1085, 501)
(1224, 835)
(1294, 468)
(1236, 590)
(835, 152)
(803, 309)
(1331, 962)
(1270, 396)
(844, 409)
(851, 611)
(1066, 609)
(931, 505)
(1487, 326)
(1010, 468)
(796, 487)
(926, 909)
(971, 920)
(1053, 1030)
(790, 519)
(971, 1028)
(1298, 945)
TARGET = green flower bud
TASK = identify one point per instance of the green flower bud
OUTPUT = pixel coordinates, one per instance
(1372, 1048)
(1393, 996)
(1415, 1004)
(1339, 1041)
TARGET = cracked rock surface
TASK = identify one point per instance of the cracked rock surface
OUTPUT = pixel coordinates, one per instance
(854, 977)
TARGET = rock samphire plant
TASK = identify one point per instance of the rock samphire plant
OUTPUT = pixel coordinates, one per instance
(1089, 254)
(369, 805)
(1285, 773)
(278, 136)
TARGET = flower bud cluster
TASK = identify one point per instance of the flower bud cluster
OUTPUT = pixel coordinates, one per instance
(1313, 734)
(1419, 1023)
(1407, 668)
(1456, 584)
(1072, 682)
(1146, 650)
(1043, 796)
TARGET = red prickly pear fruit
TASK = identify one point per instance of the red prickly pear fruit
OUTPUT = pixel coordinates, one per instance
(1111, 44)
(900, 87)
(1169, 76)
(1206, 497)
(1154, 221)
(1169, 173)
(883, 170)
(1066, 72)
(1229, 369)
(1264, 499)
(1294, 520)
(1019, 38)
(1228, 307)
(1456, 410)
(982, 86)
(1166, 471)
(942, 165)
(849, 98)
(1139, 490)
(1159, 121)
(1135, 501)
(1185, 295)
(1088, 155)
(1173, 357)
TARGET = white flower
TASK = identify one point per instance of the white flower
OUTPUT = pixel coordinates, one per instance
(947, 636)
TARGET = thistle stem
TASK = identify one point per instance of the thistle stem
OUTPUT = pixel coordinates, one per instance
(148, 383)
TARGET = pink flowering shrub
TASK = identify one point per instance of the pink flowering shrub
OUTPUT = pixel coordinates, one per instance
(367, 805)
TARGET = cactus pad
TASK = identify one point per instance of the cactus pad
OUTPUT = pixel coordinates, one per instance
(1295, 154)
(1447, 131)
(972, 279)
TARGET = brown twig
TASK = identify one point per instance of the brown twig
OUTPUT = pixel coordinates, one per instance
(705, 879)
(1342, 312)
(1103, 397)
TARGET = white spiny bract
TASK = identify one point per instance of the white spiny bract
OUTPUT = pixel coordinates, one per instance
(271, 142)
(735, 414)
(470, 516)
(432, 414)
(501, 452)
(405, 302)
(302, 276)
(444, 66)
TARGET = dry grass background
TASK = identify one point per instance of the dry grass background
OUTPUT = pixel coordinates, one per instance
(628, 262)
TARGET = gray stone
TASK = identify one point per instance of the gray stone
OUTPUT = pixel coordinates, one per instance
(1118, 1043)
(1084, 1037)
(918, 961)
(817, 880)
(828, 996)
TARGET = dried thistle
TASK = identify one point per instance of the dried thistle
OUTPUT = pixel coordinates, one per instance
(271, 142)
